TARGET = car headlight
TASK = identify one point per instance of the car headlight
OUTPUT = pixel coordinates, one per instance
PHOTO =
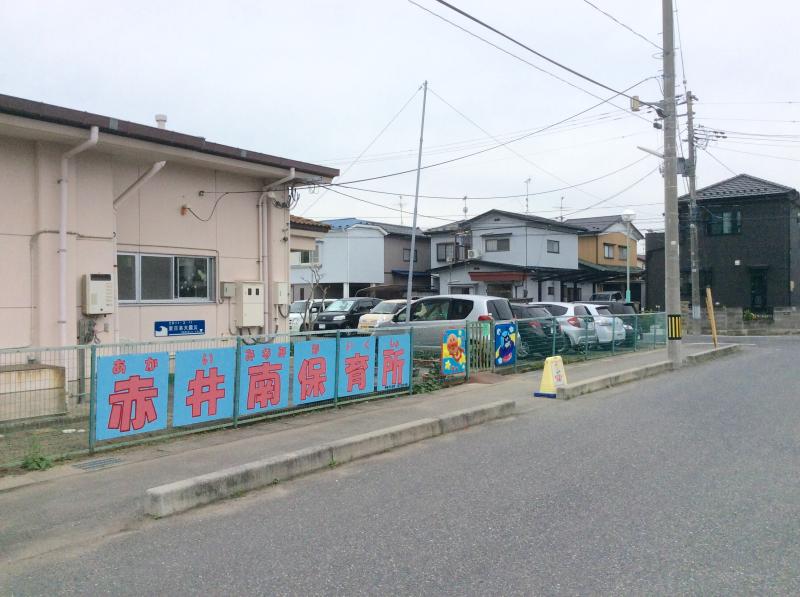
(628, 328)
(338, 317)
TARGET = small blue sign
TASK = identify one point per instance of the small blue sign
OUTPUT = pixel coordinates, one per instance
(505, 344)
(356, 365)
(179, 327)
(314, 371)
(263, 377)
(204, 381)
(394, 361)
(131, 394)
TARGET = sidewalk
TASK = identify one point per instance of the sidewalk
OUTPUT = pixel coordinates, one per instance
(66, 506)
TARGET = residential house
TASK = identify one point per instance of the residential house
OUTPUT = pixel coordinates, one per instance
(304, 244)
(605, 250)
(365, 257)
(113, 230)
(748, 245)
(506, 254)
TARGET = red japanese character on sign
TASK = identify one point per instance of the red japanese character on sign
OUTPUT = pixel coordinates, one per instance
(265, 385)
(205, 389)
(355, 367)
(266, 353)
(315, 349)
(249, 354)
(150, 364)
(312, 377)
(393, 365)
(132, 403)
(118, 368)
(208, 359)
(282, 351)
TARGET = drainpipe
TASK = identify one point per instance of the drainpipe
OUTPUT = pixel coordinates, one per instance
(63, 184)
(263, 225)
(124, 196)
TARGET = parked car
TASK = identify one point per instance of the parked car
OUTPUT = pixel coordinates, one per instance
(618, 307)
(609, 329)
(383, 311)
(309, 308)
(616, 295)
(343, 314)
(537, 327)
(575, 321)
(432, 315)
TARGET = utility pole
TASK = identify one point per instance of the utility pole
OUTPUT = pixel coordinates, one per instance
(465, 207)
(401, 209)
(693, 247)
(672, 276)
(527, 188)
(416, 204)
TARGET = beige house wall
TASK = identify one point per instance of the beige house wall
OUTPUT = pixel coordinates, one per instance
(590, 248)
(150, 221)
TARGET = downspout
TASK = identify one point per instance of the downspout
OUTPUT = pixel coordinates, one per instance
(263, 226)
(137, 184)
(63, 184)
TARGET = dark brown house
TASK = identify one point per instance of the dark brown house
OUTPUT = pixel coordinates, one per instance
(749, 245)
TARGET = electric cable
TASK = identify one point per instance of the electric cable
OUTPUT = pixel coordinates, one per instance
(621, 24)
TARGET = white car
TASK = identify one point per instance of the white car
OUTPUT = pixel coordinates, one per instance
(609, 328)
(575, 320)
(383, 311)
(299, 310)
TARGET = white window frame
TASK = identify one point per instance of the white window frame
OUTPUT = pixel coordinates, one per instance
(211, 268)
(556, 245)
(623, 251)
(496, 242)
(608, 251)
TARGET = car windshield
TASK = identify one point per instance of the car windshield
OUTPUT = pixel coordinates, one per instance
(386, 308)
(297, 307)
(538, 312)
(603, 311)
(340, 305)
(555, 309)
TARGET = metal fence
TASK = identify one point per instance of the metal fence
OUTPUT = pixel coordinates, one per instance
(50, 402)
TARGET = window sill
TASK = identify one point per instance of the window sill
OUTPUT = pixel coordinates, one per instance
(165, 303)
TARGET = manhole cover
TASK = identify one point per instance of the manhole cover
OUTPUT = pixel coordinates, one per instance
(93, 465)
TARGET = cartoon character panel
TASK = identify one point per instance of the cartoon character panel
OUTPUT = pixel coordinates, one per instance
(204, 383)
(454, 352)
(505, 344)
(131, 394)
(263, 378)
(356, 365)
(314, 371)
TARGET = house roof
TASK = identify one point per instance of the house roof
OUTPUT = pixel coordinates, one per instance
(741, 185)
(388, 228)
(542, 222)
(599, 224)
(299, 223)
(16, 106)
(618, 269)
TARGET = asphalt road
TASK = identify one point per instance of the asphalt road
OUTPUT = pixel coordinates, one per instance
(686, 483)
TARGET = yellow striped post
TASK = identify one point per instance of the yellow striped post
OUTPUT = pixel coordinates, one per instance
(674, 327)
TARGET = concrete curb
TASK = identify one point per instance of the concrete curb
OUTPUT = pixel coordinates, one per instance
(603, 382)
(180, 496)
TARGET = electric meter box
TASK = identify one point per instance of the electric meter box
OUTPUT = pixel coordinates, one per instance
(249, 304)
(98, 294)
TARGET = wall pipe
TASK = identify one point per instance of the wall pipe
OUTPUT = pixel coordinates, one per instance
(124, 196)
(263, 224)
(63, 184)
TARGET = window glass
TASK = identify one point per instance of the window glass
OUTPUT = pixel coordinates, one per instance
(608, 251)
(500, 310)
(156, 278)
(192, 277)
(556, 309)
(309, 256)
(126, 277)
(553, 246)
(494, 245)
(538, 312)
(340, 305)
(623, 252)
(459, 309)
(444, 251)
(430, 310)
(386, 308)
(603, 311)
(297, 307)
(407, 255)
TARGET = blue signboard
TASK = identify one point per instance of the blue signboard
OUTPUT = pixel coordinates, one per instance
(263, 378)
(394, 361)
(314, 371)
(356, 365)
(131, 394)
(505, 344)
(179, 327)
(204, 381)
(454, 352)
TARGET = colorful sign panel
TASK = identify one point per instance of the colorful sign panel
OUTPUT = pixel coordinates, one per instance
(314, 371)
(131, 394)
(505, 344)
(181, 327)
(454, 352)
(263, 378)
(356, 365)
(204, 384)
(394, 362)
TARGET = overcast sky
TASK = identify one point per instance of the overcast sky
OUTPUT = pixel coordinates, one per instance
(318, 80)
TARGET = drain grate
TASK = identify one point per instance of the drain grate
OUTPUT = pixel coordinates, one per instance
(93, 465)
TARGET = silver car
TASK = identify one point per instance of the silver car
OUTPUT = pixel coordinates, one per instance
(609, 328)
(576, 322)
(432, 315)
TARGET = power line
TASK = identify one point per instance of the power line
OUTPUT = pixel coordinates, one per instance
(529, 49)
(718, 161)
(614, 195)
(621, 24)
